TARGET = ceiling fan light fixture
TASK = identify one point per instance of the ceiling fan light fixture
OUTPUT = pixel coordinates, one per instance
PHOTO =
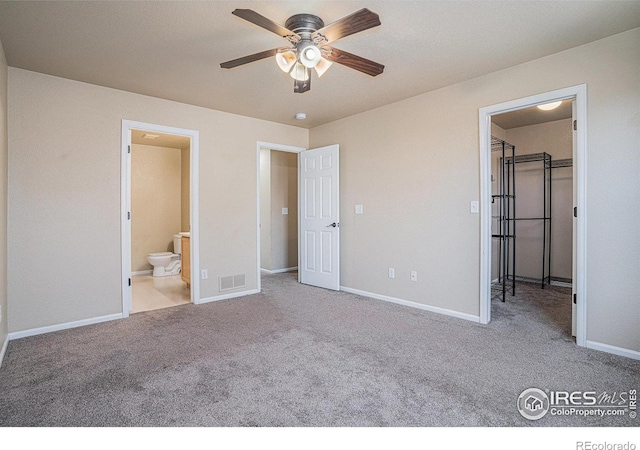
(549, 106)
(286, 60)
(310, 56)
(322, 66)
(300, 72)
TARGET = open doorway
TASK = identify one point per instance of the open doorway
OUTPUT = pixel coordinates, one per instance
(532, 214)
(160, 220)
(159, 224)
(509, 214)
(278, 211)
(277, 208)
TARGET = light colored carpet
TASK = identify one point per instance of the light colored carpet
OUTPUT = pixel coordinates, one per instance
(300, 356)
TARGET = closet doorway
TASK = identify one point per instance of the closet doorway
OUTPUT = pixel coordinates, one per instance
(533, 188)
(278, 210)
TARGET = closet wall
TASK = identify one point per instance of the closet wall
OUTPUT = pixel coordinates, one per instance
(278, 210)
(554, 138)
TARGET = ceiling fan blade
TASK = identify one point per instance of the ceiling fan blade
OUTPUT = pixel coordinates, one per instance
(268, 24)
(352, 61)
(351, 24)
(250, 58)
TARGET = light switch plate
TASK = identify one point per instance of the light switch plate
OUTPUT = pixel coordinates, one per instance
(359, 209)
(285, 211)
(474, 207)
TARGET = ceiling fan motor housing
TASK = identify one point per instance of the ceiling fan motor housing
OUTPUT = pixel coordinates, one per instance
(304, 24)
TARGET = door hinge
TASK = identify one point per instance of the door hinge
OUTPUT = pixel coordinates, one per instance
(575, 125)
(575, 299)
(128, 215)
(129, 281)
(128, 149)
(575, 211)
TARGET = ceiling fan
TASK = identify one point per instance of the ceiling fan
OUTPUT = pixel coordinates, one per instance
(310, 49)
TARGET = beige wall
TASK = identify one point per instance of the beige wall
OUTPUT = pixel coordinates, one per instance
(155, 202)
(65, 194)
(284, 194)
(3, 198)
(555, 138)
(414, 165)
(278, 189)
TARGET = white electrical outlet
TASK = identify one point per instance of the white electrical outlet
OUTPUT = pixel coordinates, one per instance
(414, 275)
(392, 272)
(205, 274)
(285, 211)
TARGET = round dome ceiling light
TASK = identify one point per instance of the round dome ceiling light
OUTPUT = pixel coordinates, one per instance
(549, 106)
(301, 116)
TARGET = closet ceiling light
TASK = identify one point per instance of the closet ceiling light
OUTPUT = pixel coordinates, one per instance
(549, 106)
(150, 136)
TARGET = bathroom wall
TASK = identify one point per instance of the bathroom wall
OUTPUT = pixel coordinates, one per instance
(185, 199)
(155, 202)
(556, 139)
(3, 202)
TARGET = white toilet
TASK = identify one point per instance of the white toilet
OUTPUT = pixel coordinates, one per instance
(167, 263)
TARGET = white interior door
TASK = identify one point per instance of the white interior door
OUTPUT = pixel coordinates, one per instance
(574, 258)
(319, 262)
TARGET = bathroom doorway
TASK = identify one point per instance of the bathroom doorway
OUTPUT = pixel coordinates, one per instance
(159, 237)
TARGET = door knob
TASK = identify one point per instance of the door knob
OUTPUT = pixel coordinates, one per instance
(333, 225)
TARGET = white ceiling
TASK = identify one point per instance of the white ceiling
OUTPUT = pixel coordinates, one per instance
(173, 50)
(532, 116)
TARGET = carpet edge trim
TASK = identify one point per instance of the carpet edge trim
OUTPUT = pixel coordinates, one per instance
(227, 296)
(271, 272)
(63, 326)
(620, 351)
(399, 301)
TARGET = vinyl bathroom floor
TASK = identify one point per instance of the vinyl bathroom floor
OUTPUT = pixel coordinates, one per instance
(151, 293)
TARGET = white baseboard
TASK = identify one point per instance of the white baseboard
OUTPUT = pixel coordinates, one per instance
(271, 272)
(141, 272)
(627, 353)
(63, 326)
(3, 350)
(399, 301)
(226, 296)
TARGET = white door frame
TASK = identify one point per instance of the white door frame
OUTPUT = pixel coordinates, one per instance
(579, 94)
(260, 145)
(125, 202)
